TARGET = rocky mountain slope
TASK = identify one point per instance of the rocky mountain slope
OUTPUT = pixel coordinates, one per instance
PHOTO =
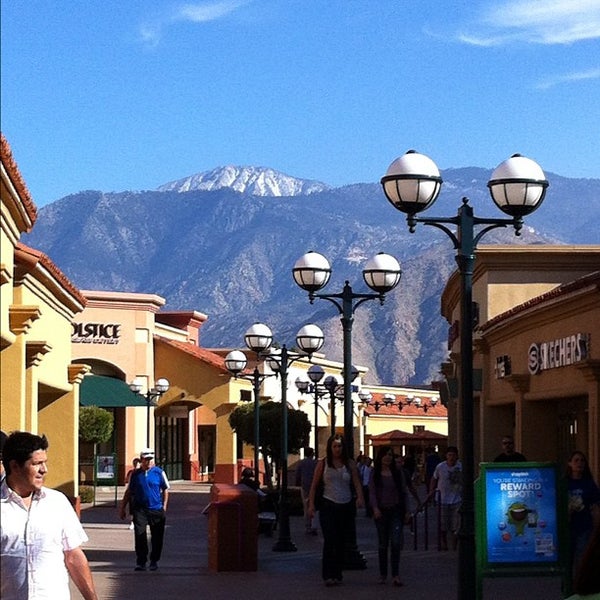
(229, 254)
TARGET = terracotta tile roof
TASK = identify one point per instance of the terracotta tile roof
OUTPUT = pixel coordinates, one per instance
(29, 258)
(408, 410)
(592, 279)
(398, 436)
(17, 180)
(206, 356)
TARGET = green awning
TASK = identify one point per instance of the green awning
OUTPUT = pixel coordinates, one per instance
(98, 390)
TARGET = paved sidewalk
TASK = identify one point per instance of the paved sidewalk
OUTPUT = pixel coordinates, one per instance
(184, 572)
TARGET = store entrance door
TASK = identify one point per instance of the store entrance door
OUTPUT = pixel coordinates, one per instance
(171, 442)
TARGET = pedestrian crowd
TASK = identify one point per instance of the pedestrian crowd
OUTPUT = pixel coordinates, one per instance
(42, 537)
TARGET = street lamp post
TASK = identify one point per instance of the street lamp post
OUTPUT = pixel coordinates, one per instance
(259, 339)
(235, 363)
(151, 397)
(315, 374)
(333, 387)
(382, 274)
(517, 186)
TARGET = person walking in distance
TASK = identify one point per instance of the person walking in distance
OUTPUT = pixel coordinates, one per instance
(365, 467)
(135, 464)
(305, 470)
(387, 494)
(509, 454)
(147, 495)
(447, 478)
(583, 506)
(40, 532)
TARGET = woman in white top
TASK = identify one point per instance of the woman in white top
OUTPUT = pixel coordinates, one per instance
(338, 478)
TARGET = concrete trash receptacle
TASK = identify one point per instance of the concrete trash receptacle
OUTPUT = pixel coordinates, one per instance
(232, 528)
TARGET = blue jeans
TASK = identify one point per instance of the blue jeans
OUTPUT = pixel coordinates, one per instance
(390, 532)
(336, 520)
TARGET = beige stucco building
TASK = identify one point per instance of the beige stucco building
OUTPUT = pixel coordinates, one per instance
(39, 384)
(62, 348)
(125, 337)
(536, 351)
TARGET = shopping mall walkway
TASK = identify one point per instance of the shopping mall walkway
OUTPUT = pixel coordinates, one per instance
(184, 572)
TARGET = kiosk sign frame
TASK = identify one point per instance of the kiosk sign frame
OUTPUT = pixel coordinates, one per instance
(105, 473)
(520, 520)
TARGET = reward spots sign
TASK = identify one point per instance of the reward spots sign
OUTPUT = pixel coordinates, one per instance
(521, 514)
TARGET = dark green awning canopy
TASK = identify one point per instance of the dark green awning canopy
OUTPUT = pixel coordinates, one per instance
(108, 392)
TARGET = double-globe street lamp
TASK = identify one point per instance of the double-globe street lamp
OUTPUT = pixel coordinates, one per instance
(329, 386)
(517, 186)
(315, 374)
(309, 340)
(382, 274)
(235, 363)
(151, 396)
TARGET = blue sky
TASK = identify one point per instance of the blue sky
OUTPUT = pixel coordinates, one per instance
(119, 95)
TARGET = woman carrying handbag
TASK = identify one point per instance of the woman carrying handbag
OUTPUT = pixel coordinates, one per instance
(337, 476)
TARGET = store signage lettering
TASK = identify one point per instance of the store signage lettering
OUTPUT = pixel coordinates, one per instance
(96, 333)
(502, 367)
(558, 353)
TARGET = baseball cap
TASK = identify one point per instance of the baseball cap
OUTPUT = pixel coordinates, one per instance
(147, 453)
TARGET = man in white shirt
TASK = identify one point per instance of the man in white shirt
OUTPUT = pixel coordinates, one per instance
(40, 532)
(447, 478)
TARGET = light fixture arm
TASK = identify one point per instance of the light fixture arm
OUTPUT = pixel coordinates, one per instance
(347, 307)
(464, 221)
(151, 396)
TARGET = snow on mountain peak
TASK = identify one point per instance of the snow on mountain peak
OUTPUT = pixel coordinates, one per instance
(257, 181)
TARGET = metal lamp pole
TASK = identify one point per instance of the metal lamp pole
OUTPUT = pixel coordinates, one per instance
(315, 374)
(382, 274)
(235, 363)
(517, 186)
(309, 339)
(332, 385)
(151, 397)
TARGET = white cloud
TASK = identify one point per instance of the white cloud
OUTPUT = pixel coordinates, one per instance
(207, 11)
(568, 78)
(201, 12)
(536, 21)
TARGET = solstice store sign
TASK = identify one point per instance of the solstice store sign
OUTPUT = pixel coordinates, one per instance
(96, 333)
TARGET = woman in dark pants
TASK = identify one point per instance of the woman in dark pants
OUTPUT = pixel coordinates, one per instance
(337, 475)
(387, 491)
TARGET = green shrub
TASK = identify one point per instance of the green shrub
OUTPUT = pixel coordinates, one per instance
(86, 493)
(95, 424)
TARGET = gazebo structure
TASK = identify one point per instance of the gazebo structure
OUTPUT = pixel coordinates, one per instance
(414, 447)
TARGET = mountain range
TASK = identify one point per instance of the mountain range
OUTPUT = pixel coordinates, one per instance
(223, 242)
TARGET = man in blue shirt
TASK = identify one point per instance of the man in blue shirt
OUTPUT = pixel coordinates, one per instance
(147, 496)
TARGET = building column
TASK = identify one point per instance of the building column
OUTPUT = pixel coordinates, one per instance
(226, 458)
(591, 372)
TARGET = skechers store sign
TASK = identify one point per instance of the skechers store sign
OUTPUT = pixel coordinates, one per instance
(558, 353)
(96, 333)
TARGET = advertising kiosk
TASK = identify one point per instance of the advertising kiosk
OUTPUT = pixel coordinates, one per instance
(521, 521)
